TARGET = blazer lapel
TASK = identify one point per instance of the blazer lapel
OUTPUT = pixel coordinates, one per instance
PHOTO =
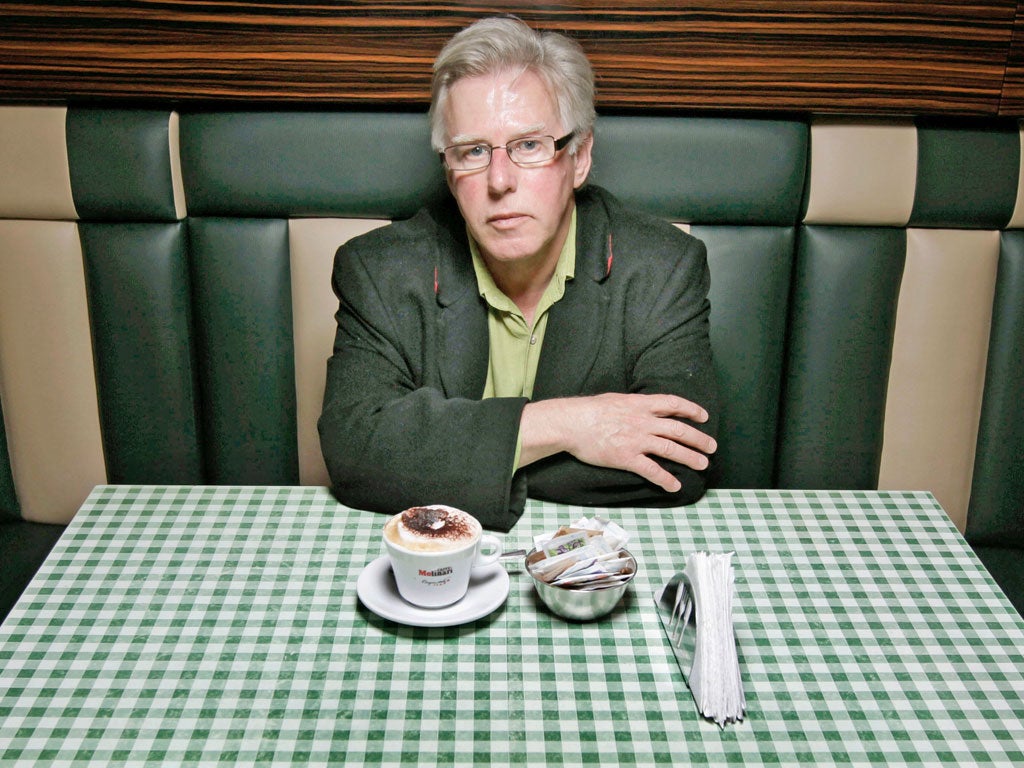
(462, 319)
(576, 323)
(571, 340)
(462, 328)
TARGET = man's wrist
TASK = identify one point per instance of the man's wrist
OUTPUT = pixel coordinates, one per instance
(541, 431)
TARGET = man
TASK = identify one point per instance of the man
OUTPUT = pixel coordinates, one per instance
(530, 336)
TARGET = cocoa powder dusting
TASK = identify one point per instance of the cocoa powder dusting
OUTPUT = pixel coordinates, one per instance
(432, 522)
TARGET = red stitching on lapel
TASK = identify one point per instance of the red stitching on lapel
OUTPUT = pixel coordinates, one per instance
(608, 267)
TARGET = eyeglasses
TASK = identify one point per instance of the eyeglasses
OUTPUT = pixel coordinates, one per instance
(524, 152)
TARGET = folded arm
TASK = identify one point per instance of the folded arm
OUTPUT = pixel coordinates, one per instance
(619, 431)
(650, 439)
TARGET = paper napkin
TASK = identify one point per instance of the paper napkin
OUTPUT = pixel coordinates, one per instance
(696, 610)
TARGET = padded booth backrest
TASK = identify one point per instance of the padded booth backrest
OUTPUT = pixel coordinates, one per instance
(738, 185)
(996, 513)
(946, 191)
(853, 272)
(166, 312)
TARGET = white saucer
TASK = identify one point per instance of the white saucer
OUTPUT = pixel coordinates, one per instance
(488, 588)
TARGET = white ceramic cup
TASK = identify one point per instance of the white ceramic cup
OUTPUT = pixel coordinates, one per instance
(438, 576)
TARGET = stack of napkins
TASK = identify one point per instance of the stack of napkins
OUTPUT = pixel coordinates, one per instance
(704, 592)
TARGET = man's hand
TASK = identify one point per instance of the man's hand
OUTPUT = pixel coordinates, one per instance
(618, 431)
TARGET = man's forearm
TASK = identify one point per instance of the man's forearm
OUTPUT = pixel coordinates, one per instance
(618, 431)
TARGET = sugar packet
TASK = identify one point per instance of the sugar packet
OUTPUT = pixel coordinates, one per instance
(589, 554)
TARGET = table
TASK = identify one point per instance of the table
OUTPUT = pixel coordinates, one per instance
(220, 625)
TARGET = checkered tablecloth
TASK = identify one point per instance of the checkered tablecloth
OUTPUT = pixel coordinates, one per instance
(221, 626)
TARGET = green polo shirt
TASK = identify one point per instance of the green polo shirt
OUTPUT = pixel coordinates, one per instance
(514, 346)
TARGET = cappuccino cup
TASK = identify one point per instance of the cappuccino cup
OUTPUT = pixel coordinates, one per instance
(433, 551)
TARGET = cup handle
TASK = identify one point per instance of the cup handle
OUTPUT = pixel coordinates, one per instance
(489, 551)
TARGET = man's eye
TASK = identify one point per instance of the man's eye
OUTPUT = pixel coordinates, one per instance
(475, 150)
(526, 146)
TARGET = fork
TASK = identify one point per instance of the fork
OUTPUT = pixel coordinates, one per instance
(675, 601)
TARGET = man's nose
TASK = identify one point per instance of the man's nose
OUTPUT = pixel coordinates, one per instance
(501, 173)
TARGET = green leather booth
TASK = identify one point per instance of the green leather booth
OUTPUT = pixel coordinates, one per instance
(165, 309)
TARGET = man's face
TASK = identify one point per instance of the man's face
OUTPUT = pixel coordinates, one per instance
(519, 217)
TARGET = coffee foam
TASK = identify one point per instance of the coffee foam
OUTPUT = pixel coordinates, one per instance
(434, 528)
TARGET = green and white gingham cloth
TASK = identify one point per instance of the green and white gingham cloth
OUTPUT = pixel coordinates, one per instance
(220, 626)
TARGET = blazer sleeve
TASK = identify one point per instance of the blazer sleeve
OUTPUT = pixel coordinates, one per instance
(666, 327)
(390, 437)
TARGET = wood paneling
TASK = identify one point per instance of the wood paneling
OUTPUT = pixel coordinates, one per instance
(939, 57)
(1013, 86)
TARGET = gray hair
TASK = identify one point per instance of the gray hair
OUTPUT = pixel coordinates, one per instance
(502, 43)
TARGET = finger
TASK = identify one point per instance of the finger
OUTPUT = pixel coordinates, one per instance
(673, 405)
(686, 435)
(678, 454)
(647, 468)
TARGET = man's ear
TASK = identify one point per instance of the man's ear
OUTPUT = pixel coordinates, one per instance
(583, 160)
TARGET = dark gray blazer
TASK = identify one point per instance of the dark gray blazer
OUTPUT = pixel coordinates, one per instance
(403, 423)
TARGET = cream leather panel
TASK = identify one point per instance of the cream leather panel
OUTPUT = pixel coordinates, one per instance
(1017, 219)
(47, 380)
(862, 173)
(35, 180)
(313, 243)
(177, 185)
(938, 368)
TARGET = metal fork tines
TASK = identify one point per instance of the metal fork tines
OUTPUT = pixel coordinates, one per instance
(675, 604)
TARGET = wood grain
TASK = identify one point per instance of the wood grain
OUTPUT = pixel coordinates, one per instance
(1012, 103)
(867, 57)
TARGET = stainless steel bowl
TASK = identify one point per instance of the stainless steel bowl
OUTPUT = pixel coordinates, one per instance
(580, 604)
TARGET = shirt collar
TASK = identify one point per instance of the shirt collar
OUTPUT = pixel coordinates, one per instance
(565, 269)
